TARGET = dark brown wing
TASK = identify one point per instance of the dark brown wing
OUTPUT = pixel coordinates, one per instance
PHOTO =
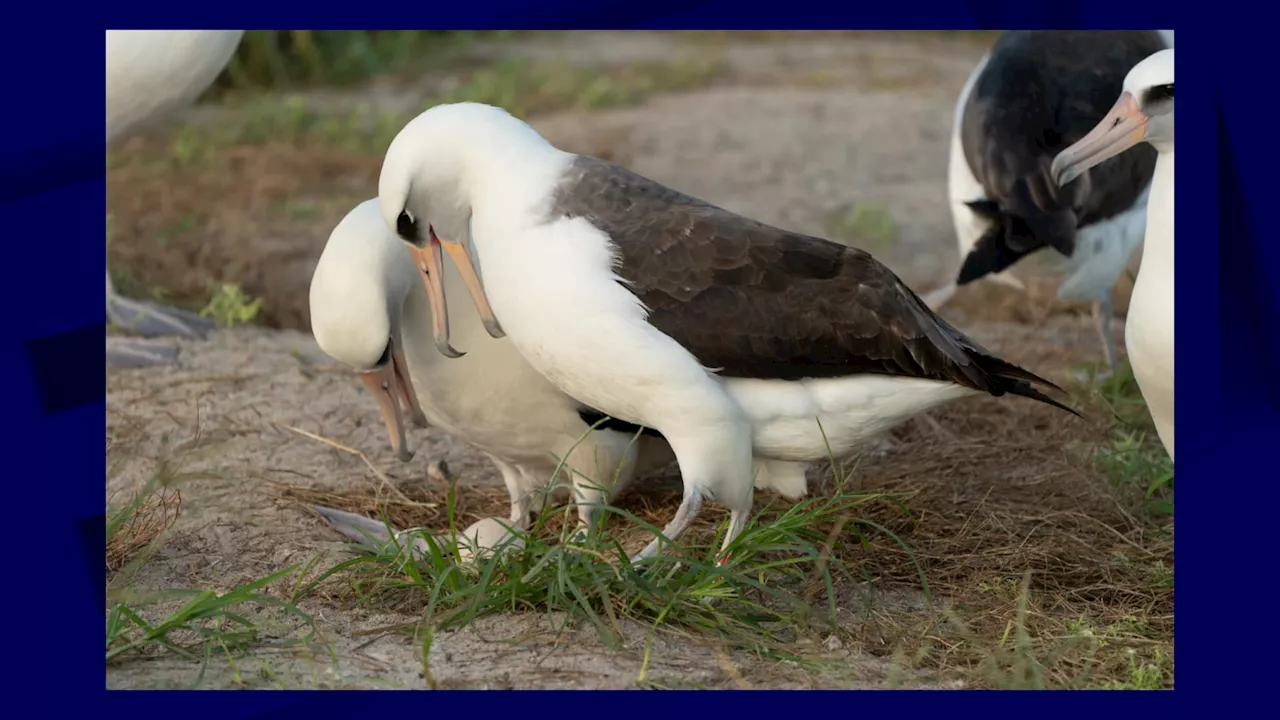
(759, 302)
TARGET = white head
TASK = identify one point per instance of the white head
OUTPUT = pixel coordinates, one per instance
(433, 168)
(358, 293)
(1144, 112)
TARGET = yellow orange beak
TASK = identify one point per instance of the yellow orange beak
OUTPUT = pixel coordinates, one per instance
(389, 385)
(430, 261)
(1122, 128)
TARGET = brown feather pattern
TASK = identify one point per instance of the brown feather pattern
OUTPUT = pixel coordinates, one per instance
(755, 301)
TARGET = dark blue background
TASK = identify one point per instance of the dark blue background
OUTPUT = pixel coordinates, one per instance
(52, 200)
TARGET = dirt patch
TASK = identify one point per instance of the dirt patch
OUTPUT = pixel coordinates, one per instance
(796, 130)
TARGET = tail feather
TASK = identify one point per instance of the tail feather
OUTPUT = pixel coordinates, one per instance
(1009, 238)
(1024, 389)
(1033, 214)
(1019, 381)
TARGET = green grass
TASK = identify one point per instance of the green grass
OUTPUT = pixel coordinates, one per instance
(277, 59)
(1029, 655)
(205, 623)
(1133, 454)
(779, 583)
(229, 306)
(523, 86)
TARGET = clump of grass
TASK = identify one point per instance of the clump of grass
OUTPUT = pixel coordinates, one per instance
(229, 306)
(138, 523)
(867, 225)
(779, 583)
(206, 621)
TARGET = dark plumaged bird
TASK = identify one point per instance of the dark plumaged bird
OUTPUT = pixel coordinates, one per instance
(1032, 95)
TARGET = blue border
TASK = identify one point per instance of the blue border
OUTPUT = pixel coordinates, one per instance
(52, 194)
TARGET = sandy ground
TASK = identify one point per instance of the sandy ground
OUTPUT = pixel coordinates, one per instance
(795, 131)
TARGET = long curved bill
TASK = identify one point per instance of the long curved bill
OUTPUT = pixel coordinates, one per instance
(383, 384)
(401, 369)
(1122, 128)
(430, 261)
(462, 259)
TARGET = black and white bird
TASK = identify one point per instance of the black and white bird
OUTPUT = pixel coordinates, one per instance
(150, 74)
(1143, 113)
(1032, 95)
(726, 336)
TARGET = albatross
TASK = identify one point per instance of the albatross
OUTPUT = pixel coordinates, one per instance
(151, 73)
(370, 312)
(646, 304)
(1142, 114)
(1032, 95)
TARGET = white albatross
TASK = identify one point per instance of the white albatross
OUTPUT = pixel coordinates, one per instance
(151, 73)
(1143, 113)
(726, 336)
(370, 312)
(1034, 93)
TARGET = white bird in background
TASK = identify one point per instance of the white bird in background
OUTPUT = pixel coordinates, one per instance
(1033, 94)
(370, 312)
(727, 336)
(151, 73)
(1143, 113)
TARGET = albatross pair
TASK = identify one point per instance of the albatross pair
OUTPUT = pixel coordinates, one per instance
(1032, 95)
(728, 337)
(370, 312)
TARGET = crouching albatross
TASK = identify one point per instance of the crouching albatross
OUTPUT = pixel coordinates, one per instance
(370, 312)
(1143, 113)
(726, 336)
(151, 73)
(1032, 95)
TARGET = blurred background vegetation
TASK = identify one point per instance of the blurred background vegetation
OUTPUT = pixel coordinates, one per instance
(296, 58)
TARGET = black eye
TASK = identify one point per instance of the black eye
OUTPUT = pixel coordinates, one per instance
(1158, 94)
(407, 227)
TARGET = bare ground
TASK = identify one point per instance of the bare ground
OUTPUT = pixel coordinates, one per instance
(793, 132)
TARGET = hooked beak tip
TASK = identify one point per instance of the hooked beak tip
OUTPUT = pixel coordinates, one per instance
(442, 344)
(405, 454)
(1063, 173)
(420, 419)
(494, 328)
